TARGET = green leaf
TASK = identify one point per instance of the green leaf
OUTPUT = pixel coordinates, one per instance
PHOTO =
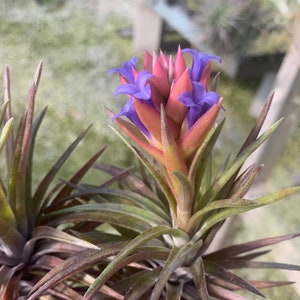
(6, 274)
(5, 132)
(174, 291)
(219, 292)
(218, 271)
(67, 189)
(248, 264)
(127, 216)
(23, 189)
(238, 204)
(228, 212)
(134, 183)
(49, 233)
(258, 125)
(132, 246)
(198, 272)
(16, 173)
(174, 261)
(212, 193)
(6, 108)
(136, 199)
(11, 240)
(236, 250)
(3, 111)
(199, 163)
(157, 175)
(136, 284)
(184, 200)
(38, 198)
(73, 265)
(146, 279)
(29, 165)
(245, 180)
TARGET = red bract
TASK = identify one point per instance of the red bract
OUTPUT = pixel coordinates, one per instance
(168, 117)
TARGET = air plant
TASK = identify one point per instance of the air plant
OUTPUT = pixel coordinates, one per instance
(30, 245)
(143, 233)
(153, 228)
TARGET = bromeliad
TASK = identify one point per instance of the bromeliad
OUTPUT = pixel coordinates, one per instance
(170, 110)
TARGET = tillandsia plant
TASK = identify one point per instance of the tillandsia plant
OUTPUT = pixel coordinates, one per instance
(153, 229)
(31, 242)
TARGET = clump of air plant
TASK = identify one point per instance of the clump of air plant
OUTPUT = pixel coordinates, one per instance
(154, 227)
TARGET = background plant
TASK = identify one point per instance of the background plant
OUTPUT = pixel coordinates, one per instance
(30, 244)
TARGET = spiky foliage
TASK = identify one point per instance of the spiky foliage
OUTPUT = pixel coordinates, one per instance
(30, 245)
(142, 255)
(134, 236)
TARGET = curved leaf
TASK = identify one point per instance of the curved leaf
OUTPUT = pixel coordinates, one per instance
(228, 212)
(67, 189)
(212, 193)
(238, 249)
(218, 271)
(174, 261)
(133, 245)
(217, 205)
(127, 216)
(198, 272)
(157, 175)
(136, 199)
(38, 198)
(73, 265)
(11, 240)
(5, 132)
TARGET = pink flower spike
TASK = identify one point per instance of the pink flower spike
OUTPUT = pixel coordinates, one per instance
(175, 109)
(192, 139)
(180, 65)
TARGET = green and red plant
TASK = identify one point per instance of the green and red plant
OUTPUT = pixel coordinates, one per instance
(143, 233)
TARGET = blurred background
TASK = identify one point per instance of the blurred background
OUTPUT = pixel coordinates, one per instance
(79, 41)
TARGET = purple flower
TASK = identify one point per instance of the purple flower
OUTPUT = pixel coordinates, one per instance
(129, 112)
(200, 60)
(127, 69)
(199, 102)
(139, 88)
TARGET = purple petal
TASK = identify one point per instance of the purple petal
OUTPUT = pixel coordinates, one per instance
(198, 102)
(127, 69)
(140, 89)
(199, 62)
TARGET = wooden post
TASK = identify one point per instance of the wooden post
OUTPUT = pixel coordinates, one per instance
(148, 27)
